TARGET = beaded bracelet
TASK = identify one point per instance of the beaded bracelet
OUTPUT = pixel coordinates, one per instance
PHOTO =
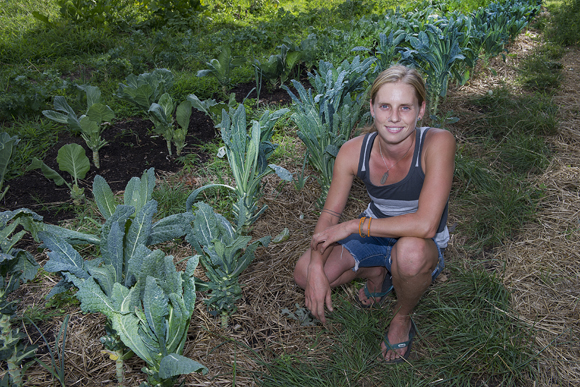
(369, 227)
(362, 220)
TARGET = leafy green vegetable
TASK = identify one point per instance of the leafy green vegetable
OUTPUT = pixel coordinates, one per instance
(221, 68)
(148, 302)
(91, 124)
(437, 58)
(226, 254)
(325, 121)
(136, 216)
(145, 89)
(162, 116)
(72, 159)
(16, 266)
(212, 108)
(248, 154)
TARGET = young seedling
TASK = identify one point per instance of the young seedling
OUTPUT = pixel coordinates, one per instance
(91, 124)
(72, 159)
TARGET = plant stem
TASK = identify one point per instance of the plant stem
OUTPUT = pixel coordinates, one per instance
(119, 367)
(96, 160)
(169, 147)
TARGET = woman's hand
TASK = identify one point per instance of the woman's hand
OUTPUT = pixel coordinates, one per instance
(317, 293)
(320, 241)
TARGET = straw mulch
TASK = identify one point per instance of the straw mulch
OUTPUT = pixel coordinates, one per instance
(543, 264)
(541, 267)
(542, 270)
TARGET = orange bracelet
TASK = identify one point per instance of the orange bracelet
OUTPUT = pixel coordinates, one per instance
(362, 220)
(369, 227)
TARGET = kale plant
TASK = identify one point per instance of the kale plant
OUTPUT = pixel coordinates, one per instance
(248, 153)
(225, 255)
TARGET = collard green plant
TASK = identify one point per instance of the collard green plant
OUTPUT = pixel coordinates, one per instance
(221, 68)
(91, 124)
(248, 153)
(225, 255)
(162, 116)
(148, 302)
(7, 144)
(145, 89)
(71, 158)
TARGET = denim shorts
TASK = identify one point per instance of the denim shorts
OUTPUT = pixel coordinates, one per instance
(376, 251)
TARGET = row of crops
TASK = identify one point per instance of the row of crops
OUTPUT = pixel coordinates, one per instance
(147, 297)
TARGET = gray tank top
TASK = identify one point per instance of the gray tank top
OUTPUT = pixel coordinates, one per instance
(401, 197)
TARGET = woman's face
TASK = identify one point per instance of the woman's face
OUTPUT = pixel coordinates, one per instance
(396, 110)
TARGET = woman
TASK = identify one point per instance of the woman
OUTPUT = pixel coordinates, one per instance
(408, 173)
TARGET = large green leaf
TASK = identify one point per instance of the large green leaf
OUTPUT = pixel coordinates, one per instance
(72, 159)
(48, 172)
(100, 113)
(183, 114)
(174, 365)
(62, 256)
(156, 309)
(138, 190)
(104, 197)
(140, 229)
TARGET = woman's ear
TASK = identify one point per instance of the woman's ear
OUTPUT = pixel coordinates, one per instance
(422, 109)
(372, 109)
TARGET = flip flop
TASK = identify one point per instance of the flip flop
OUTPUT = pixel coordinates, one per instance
(404, 344)
(386, 288)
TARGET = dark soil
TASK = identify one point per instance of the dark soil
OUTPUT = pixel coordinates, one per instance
(131, 150)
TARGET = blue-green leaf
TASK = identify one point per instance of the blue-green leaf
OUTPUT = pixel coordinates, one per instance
(174, 365)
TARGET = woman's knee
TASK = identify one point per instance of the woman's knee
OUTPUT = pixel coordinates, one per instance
(414, 256)
(301, 269)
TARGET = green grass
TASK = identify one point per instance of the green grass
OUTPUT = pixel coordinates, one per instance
(563, 28)
(467, 335)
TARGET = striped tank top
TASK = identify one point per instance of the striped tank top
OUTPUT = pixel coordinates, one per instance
(402, 197)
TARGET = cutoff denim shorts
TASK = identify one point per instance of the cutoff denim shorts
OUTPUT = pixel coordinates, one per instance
(376, 251)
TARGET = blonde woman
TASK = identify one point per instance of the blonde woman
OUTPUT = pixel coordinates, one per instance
(399, 239)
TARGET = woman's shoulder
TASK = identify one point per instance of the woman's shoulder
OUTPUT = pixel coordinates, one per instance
(439, 135)
(354, 143)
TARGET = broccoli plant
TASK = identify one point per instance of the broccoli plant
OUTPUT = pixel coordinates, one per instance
(225, 255)
(91, 124)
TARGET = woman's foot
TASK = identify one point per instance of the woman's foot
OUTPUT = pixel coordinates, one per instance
(399, 338)
(378, 285)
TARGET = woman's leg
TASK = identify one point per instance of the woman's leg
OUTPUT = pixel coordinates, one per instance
(338, 270)
(412, 263)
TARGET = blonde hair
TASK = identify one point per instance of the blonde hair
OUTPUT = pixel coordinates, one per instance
(396, 74)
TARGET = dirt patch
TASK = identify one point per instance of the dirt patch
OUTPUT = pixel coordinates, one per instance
(131, 149)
